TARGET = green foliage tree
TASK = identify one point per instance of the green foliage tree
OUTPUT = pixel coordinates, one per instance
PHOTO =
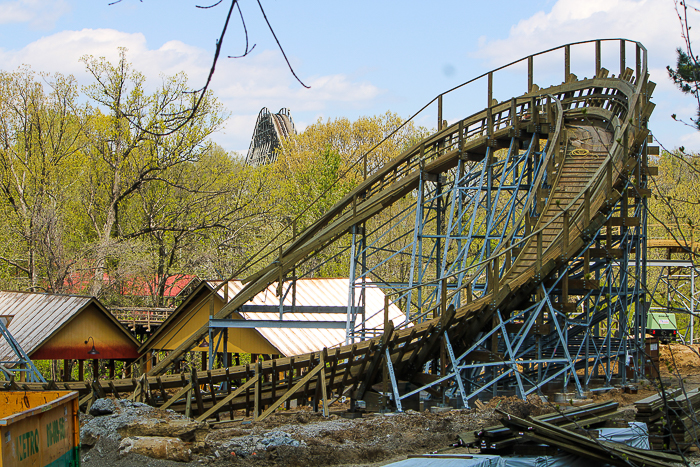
(118, 190)
(675, 204)
(41, 126)
(134, 138)
(686, 72)
(317, 168)
(194, 211)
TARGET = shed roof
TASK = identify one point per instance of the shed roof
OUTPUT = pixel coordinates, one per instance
(36, 317)
(314, 292)
(288, 341)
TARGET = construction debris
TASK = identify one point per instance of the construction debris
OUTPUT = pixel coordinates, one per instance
(501, 439)
(156, 447)
(585, 445)
(672, 417)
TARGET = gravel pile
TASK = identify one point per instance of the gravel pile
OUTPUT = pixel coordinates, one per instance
(244, 446)
(124, 412)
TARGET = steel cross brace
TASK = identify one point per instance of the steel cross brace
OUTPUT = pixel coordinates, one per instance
(456, 371)
(526, 329)
(392, 377)
(562, 342)
(34, 374)
(512, 351)
(513, 364)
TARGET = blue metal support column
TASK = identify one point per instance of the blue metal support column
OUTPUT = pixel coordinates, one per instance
(22, 364)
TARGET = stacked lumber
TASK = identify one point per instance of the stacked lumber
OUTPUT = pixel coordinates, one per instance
(672, 417)
(604, 452)
(503, 440)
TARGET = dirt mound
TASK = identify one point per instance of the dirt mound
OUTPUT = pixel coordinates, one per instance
(302, 437)
(342, 441)
(679, 359)
(513, 405)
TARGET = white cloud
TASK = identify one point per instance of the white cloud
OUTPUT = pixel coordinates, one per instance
(264, 80)
(243, 85)
(40, 14)
(654, 23)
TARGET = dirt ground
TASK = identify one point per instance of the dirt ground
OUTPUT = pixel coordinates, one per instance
(680, 360)
(375, 439)
(303, 438)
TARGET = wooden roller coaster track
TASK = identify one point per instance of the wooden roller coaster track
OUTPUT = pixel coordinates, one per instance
(594, 136)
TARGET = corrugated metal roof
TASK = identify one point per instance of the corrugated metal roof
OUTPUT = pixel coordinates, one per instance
(37, 316)
(315, 292)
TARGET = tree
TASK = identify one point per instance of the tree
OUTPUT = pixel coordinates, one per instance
(40, 139)
(686, 73)
(193, 212)
(135, 137)
(674, 207)
(318, 167)
(326, 160)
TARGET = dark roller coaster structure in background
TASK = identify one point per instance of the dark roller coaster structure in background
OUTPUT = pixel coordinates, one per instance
(270, 129)
(523, 228)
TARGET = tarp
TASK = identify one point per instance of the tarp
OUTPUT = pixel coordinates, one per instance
(637, 435)
(477, 460)
(560, 460)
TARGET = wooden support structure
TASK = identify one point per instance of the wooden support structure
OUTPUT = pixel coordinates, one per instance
(578, 192)
(309, 375)
(222, 403)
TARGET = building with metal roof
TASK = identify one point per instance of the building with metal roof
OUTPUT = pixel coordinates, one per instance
(56, 327)
(312, 298)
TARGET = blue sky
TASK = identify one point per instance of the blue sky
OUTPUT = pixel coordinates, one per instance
(359, 57)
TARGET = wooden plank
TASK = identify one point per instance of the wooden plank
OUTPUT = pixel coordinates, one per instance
(363, 365)
(308, 383)
(188, 402)
(239, 390)
(146, 390)
(136, 394)
(97, 388)
(290, 392)
(186, 389)
(213, 391)
(290, 377)
(163, 393)
(197, 392)
(374, 365)
(257, 391)
(322, 377)
(84, 400)
(273, 379)
(114, 390)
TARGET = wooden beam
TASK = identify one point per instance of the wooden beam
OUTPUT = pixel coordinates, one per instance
(177, 395)
(114, 390)
(212, 390)
(290, 377)
(219, 405)
(188, 403)
(290, 392)
(163, 394)
(257, 390)
(374, 365)
(322, 378)
(197, 392)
